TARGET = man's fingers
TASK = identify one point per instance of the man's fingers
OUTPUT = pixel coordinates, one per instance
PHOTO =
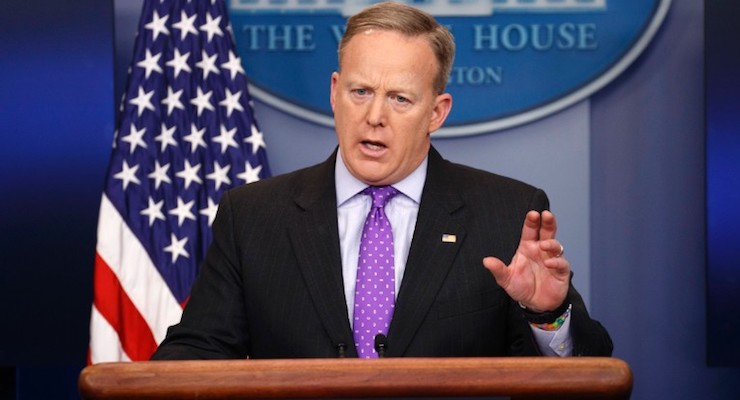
(559, 265)
(531, 227)
(549, 226)
(539, 226)
(556, 261)
(498, 269)
(552, 247)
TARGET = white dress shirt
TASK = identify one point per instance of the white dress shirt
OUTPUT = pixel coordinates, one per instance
(402, 211)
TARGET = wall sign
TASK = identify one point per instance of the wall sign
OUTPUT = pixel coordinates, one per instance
(517, 60)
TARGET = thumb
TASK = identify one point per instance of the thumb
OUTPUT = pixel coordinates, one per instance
(498, 269)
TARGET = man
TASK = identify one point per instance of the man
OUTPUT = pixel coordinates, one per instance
(287, 274)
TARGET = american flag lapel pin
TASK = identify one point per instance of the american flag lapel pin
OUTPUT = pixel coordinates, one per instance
(449, 238)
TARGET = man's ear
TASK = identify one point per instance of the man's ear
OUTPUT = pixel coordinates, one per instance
(332, 96)
(442, 107)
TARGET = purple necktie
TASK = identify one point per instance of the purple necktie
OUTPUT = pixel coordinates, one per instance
(376, 283)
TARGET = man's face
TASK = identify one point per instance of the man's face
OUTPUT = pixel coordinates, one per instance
(384, 105)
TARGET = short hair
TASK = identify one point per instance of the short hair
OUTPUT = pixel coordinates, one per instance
(410, 22)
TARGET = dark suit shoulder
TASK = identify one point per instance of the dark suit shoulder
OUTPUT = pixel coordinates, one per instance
(487, 178)
(481, 187)
(310, 184)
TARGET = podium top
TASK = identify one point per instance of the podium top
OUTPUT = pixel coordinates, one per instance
(530, 377)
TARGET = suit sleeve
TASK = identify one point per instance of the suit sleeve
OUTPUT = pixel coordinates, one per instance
(589, 337)
(213, 324)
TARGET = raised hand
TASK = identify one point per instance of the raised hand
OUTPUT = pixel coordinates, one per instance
(538, 276)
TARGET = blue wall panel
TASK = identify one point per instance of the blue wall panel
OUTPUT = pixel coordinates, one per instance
(723, 183)
(648, 215)
(56, 126)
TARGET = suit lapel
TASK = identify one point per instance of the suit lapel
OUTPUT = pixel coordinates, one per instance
(431, 255)
(314, 237)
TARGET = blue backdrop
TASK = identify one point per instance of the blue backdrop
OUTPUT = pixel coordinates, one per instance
(723, 184)
(56, 121)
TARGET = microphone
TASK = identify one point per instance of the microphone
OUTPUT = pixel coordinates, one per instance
(341, 348)
(381, 344)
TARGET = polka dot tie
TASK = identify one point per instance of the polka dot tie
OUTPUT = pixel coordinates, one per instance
(376, 283)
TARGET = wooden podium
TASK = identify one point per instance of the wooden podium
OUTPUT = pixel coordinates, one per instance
(519, 378)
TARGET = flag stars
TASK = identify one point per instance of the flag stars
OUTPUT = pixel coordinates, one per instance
(207, 64)
(234, 65)
(158, 25)
(231, 102)
(154, 211)
(150, 63)
(255, 139)
(183, 211)
(166, 137)
(128, 175)
(190, 174)
(179, 63)
(211, 27)
(143, 101)
(226, 139)
(195, 138)
(220, 175)
(250, 174)
(172, 101)
(160, 174)
(185, 25)
(177, 247)
(135, 138)
(210, 211)
(123, 97)
(202, 101)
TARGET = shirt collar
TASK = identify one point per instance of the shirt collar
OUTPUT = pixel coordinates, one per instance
(348, 186)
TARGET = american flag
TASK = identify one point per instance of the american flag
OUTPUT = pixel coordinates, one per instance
(186, 134)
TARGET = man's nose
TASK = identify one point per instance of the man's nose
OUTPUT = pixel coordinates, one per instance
(377, 111)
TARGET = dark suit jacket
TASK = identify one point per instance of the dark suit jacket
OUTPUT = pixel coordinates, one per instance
(271, 285)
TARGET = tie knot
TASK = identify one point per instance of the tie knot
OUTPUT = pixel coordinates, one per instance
(380, 194)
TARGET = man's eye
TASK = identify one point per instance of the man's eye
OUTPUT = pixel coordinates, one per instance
(360, 92)
(400, 99)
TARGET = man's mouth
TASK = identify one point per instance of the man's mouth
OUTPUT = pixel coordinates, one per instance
(373, 145)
